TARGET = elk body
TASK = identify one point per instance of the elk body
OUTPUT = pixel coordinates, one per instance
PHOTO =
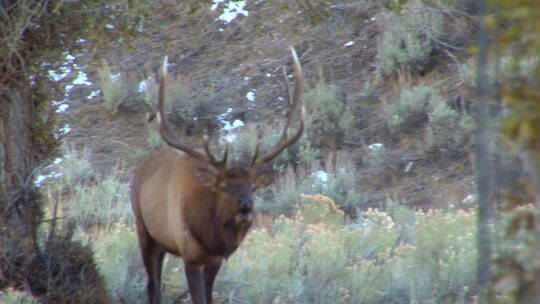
(189, 204)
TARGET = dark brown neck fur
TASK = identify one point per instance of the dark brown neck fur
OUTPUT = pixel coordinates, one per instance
(217, 237)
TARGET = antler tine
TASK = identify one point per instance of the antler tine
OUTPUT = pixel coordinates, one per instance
(165, 129)
(287, 85)
(298, 86)
(223, 162)
(289, 103)
(285, 142)
(161, 91)
(256, 154)
(206, 146)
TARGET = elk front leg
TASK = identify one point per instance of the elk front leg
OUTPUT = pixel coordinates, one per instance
(194, 274)
(210, 273)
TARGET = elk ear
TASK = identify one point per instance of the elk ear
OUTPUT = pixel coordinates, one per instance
(264, 179)
(206, 174)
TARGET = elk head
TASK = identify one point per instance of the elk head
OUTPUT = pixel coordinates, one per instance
(190, 204)
(234, 187)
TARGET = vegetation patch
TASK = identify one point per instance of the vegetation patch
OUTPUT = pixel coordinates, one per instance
(411, 107)
(367, 262)
(330, 120)
(449, 132)
(408, 37)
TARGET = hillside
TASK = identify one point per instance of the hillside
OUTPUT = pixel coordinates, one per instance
(406, 93)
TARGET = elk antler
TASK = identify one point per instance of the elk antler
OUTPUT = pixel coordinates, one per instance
(294, 102)
(167, 134)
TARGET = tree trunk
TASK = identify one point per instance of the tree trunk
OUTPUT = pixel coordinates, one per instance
(18, 203)
(58, 270)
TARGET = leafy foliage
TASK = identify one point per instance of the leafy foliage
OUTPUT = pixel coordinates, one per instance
(517, 274)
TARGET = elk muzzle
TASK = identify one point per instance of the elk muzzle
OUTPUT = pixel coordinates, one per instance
(245, 209)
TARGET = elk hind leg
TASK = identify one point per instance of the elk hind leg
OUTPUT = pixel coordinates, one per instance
(152, 256)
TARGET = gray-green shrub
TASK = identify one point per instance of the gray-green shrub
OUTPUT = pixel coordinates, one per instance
(154, 139)
(411, 107)
(328, 116)
(103, 204)
(113, 88)
(448, 131)
(284, 196)
(245, 141)
(407, 37)
(75, 166)
(118, 259)
(318, 263)
(340, 187)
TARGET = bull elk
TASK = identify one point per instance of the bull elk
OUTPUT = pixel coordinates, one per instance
(189, 204)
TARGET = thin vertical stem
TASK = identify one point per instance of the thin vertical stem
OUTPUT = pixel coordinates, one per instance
(483, 175)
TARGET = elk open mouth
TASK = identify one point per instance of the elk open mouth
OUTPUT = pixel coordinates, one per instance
(244, 215)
